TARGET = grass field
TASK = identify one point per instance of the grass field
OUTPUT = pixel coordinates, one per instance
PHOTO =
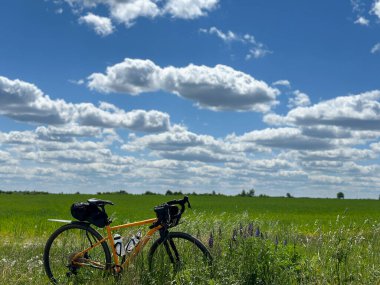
(300, 241)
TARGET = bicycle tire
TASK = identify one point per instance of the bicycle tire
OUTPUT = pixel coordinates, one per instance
(66, 242)
(191, 255)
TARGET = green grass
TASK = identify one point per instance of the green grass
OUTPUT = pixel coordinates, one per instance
(319, 241)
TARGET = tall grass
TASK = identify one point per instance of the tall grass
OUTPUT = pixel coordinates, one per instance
(247, 247)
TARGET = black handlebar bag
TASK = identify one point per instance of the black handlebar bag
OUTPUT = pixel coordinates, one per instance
(168, 215)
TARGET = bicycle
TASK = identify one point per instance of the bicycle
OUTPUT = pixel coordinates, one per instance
(76, 251)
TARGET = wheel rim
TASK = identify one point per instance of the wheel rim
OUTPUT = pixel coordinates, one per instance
(67, 245)
(185, 262)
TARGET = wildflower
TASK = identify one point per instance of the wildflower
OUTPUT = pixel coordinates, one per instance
(250, 229)
(276, 241)
(257, 233)
(211, 240)
(234, 235)
(285, 242)
(241, 229)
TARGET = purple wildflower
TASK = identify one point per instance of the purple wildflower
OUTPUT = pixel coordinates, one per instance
(285, 242)
(250, 229)
(257, 233)
(211, 240)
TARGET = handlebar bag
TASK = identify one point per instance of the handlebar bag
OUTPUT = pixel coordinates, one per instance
(168, 214)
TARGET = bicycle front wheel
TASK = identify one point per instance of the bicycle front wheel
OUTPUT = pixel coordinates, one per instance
(62, 259)
(180, 256)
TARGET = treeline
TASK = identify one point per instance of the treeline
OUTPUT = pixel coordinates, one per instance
(243, 193)
(24, 192)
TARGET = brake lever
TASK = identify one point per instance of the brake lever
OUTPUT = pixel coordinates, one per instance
(187, 201)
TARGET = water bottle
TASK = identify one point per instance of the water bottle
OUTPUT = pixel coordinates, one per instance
(133, 242)
(120, 251)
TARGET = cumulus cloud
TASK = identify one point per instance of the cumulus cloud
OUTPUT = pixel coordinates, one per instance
(23, 101)
(181, 144)
(66, 133)
(357, 112)
(216, 88)
(101, 25)
(300, 99)
(128, 11)
(255, 50)
(376, 8)
(284, 138)
(189, 9)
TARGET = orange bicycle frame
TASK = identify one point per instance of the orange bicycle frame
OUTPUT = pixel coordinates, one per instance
(144, 240)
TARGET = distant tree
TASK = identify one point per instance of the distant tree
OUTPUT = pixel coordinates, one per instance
(78, 193)
(149, 193)
(251, 192)
(168, 193)
(340, 195)
(288, 195)
(379, 197)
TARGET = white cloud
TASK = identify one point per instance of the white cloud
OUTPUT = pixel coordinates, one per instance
(128, 11)
(180, 144)
(284, 83)
(299, 100)
(375, 48)
(216, 88)
(66, 133)
(5, 157)
(356, 112)
(189, 9)
(132, 76)
(257, 52)
(256, 49)
(284, 138)
(226, 37)
(101, 25)
(362, 21)
(376, 8)
(23, 101)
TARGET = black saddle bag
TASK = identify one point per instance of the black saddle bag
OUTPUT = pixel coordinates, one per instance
(87, 212)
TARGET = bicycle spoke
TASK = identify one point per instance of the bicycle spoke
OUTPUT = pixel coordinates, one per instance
(66, 262)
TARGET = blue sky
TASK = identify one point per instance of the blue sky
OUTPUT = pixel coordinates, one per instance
(206, 95)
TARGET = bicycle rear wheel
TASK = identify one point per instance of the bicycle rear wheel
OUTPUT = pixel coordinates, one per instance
(180, 256)
(64, 244)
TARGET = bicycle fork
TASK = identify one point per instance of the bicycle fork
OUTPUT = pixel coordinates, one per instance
(170, 248)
